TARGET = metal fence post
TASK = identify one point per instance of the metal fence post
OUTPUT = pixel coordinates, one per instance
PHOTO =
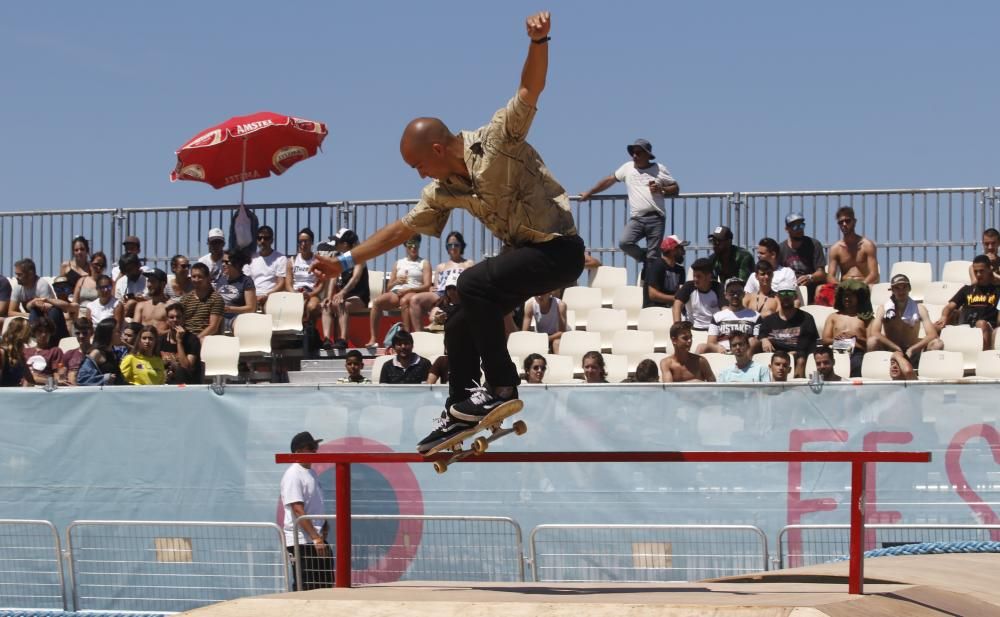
(737, 221)
(119, 230)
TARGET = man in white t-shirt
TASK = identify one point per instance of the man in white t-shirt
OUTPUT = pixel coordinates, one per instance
(301, 496)
(733, 317)
(647, 184)
(33, 298)
(767, 250)
(268, 267)
(700, 299)
(213, 259)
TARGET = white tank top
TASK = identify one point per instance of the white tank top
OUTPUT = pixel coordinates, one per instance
(409, 274)
(547, 322)
(301, 275)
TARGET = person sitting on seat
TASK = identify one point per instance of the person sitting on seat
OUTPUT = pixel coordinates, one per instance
(594, 370)
(422, 303)
(14, 370)
(763, 300)
(406, 366)
(745, 370)
(348, 293)
(180, 349)
(101, 367)
(976, 303)
(646, 372)
(900, 368)
(353, 363)
(535, 366)
(143, 366)
(734, 317)
(549, 316)
(897, 323)
(684, 365)
(846, 331)
(699, 299)
(790, 329)
(780, 366)
(825, 360)
(411, 276)
(45, 359)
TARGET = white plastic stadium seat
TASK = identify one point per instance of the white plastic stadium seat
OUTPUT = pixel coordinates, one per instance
(698, 337)
(616, 367)
(933, 312)
(607, 279)
(841, 365)
(285, 307)
(68, 344)
(938, 365)
(965, 340)
(606, 322)
(524, 344)
(221, 355)
(956, 272)
(657, 320)
(919, 273)
(581, 300)
(719, 361)
(429, 345)
(632, 344)
(377, 366)
(763, 358)
(575, 343)
(254, 332)
(558, 369)
(628, 299)
(875, 365)
(820, 314)
(880, 293)
(941, 292)
(570, 319)
(376, 284)
(988, 364)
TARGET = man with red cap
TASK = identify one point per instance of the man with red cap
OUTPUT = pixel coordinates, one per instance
(665, 275)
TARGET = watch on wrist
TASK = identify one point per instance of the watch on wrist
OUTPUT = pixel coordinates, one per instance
(541, 40)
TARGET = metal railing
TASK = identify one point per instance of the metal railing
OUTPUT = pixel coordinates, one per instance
(806, 545)
(931, 224)
(388, 548)
(31, 571)
(858, 461)
(644, 553)
(158, 566)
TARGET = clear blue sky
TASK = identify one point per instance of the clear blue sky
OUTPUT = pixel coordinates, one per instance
(733, 95)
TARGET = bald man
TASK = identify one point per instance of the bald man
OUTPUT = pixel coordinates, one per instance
(498, 177)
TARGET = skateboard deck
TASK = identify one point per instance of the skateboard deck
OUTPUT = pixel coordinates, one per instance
(492, 422)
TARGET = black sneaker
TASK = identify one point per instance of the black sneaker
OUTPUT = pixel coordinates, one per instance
(479, 405)
(340, 344)
(445, 428)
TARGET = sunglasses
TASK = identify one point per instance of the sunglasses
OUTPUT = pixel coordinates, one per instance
(104, 287)
(788, 293)
(226, 262)
(98, 264)
(411, 245)
(538, 368)
(264, 238)
(454, 245)
(797, 226)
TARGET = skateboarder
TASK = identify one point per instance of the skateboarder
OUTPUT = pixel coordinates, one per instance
(500, 179)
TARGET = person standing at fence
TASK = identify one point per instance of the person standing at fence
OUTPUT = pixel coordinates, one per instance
(803, 254)
(647, 184)
(494, 173)
(301, 497)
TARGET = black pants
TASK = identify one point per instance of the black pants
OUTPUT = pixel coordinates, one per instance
(489, 290)
(316, 570)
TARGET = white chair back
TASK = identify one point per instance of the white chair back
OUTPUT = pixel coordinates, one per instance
(719, 361)
(988, 364)
(606, 321)
(254, 331)
(919, 273)
(285, 307)
(880, 292)
(575, 343)
(221, 355)
(629, 299)
(841, 365)
(820, 314)
(607, 279)
(965, 340)
(941, 292)
(875, 365)
(377, 366)
(657, 320)
(940, 365)
(523, 343)
(616, 367)
(632, 344)
(430, 345)
(956, 272)
(376, 284)
(558, 369)
(68, 344)
(580, 300)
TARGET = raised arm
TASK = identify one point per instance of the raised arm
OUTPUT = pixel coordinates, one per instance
(602, 185)
(537, 63)
(381, 242)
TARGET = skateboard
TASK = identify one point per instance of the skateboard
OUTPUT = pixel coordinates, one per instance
(492, 422)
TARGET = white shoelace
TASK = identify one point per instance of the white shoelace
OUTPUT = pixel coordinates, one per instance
(439, 422)
(479, 395)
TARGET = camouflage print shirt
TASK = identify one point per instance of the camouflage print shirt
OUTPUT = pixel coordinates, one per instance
(511, 190)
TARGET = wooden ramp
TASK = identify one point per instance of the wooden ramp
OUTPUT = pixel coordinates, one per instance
(961, 585)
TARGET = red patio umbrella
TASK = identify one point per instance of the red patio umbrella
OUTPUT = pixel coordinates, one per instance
(247, 148)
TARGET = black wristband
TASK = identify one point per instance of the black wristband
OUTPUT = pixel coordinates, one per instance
(540, 41)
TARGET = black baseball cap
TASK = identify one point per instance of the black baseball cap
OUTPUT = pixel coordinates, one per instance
(304, 440)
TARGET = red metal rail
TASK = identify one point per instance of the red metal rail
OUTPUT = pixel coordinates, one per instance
(857, 460)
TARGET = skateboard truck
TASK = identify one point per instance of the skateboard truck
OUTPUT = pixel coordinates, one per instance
(480, 444)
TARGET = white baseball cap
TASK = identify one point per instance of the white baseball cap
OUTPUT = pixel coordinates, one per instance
(216, 233)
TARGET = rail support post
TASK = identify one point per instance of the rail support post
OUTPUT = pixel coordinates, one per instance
(856, 576)
(343, 533)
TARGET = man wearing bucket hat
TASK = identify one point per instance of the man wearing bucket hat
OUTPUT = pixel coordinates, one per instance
(647, 184)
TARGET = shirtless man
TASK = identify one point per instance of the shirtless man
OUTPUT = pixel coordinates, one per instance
(684, 365)
(853, 255)
(846, 331)
(153, 310)
(896, 326)
(764, 300)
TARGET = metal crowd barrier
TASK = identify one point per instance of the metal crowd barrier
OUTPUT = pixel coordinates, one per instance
(644, 553)
(806, 545)
(387, 548)
(164, 566)
(31, 571)
(933, 224)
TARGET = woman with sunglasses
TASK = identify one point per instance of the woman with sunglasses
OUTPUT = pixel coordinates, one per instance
(410, 276)
(179, 283)
(105, 304)
(534, 368)
(86, 286)
(78, 266)
(422, 303)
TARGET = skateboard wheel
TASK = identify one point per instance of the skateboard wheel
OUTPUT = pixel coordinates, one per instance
(520, 428)
(480, 445)
(440, 466)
